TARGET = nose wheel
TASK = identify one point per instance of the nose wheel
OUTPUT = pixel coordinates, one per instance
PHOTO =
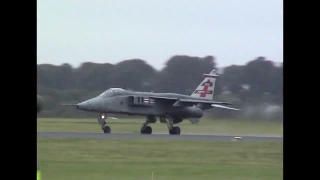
(102, 121)
(106, 129)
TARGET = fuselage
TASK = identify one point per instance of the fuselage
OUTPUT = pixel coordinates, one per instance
(119, 102)
(169, 95)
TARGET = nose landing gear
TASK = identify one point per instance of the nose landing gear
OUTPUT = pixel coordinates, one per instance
(102, 121)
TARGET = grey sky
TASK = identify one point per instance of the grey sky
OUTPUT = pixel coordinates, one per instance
(235, 31)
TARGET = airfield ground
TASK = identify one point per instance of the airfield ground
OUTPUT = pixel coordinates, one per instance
(136, 159)
(181, 159)
(225, 127)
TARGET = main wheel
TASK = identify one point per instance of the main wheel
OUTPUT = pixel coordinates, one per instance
(175, 130)
(107, 129)
(146, 130)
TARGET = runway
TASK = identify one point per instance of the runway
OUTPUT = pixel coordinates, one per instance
(83, 135)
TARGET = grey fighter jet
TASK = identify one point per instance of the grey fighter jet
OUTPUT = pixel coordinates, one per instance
(170, 108)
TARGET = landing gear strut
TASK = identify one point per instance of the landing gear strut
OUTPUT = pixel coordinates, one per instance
(102, 121)
(145, 128)
(174, 130)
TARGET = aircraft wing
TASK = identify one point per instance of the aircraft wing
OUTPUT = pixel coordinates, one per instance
(187, 101)
(191, 102)
(203, 101)
(224, 107)
(164, 100)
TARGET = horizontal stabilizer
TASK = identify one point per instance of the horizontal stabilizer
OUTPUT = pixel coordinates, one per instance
(194, 120)
(224, 107)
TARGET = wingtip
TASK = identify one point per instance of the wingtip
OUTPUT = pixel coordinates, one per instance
(224, 107)
(235, 109)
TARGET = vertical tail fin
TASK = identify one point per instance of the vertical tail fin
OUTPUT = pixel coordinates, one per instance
(205, 89)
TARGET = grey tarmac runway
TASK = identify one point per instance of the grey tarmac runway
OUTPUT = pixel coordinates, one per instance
(153, 136)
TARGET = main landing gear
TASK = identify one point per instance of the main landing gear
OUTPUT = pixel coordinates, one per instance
(173, 129)
(146, 129)
(102, 121)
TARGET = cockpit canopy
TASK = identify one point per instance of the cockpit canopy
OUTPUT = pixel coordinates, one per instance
(112, 92)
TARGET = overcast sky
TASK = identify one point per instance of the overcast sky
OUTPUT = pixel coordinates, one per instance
(235, 31)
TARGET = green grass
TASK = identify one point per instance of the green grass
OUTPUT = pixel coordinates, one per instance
(78, 159)
(231, 127)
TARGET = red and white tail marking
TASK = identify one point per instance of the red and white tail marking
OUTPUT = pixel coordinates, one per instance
(206, 87)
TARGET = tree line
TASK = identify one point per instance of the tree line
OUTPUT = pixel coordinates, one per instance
(256, 87)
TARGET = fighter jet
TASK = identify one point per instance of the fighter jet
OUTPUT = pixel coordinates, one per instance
(169, 108)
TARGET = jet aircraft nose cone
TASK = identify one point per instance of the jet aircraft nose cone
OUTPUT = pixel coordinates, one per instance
(93, 105)
(84, 105)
